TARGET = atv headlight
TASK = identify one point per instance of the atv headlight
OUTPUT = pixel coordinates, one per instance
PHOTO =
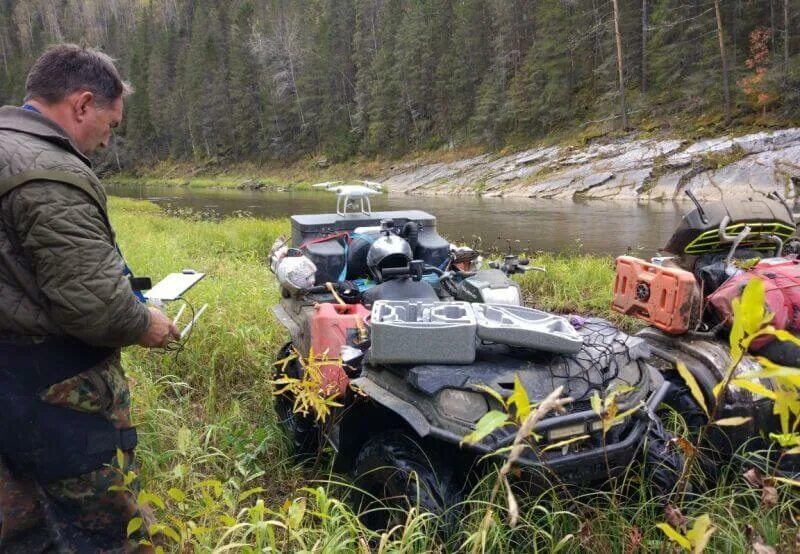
(561, 433)
(461, 404)
(598, 425)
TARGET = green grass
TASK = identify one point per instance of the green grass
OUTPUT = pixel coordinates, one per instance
(212, 450)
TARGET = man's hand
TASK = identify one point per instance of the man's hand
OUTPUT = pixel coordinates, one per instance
(160, 331)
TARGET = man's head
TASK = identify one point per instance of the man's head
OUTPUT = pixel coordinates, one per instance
(81, 90)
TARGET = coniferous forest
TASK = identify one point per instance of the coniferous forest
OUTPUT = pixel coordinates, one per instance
(253, 80)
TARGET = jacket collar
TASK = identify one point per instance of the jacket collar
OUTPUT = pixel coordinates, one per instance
(32, 123)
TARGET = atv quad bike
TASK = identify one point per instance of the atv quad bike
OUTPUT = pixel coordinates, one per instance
(674, 294)
(405, 332)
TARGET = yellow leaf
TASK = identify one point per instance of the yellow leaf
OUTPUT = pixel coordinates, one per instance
(755, 388)
(623, 415)
(563, 443)
(519, 398)
(717, 389)
(227, 520)
(171, 533)
(793, 482)
(674, 536)
(752, 309)
(176, 494)
(782, 335)
(611, 409)
(787, 402)
(691, 382)
(248, 493)
(619, 390)
(134, 525)
(296, 512)
(771, 371)
(184, 439)
(597, 406)
(486, 425)
(731, 421)
(737, 331)
(149, 498)
(700, 532)
(786, 440)
(213, 484)
(491, 392)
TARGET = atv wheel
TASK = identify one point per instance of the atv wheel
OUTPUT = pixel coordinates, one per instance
(393, 473)
(299, 428)
(663, 462)
(716, 448)
(680, 399)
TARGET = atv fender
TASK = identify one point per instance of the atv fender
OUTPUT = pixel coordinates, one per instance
(284, 319)
(410, 414)
(708, 360)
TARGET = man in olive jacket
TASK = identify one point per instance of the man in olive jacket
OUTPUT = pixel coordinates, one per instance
(66, 308)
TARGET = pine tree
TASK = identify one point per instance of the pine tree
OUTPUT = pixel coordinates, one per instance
(138, 128)
(245, 106)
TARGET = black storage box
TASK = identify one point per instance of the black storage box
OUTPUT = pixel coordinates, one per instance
(329, 256)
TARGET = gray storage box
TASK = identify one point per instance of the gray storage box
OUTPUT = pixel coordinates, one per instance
(526, 327)
(418, 332)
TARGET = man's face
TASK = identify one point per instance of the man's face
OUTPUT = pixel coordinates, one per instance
(93, 127)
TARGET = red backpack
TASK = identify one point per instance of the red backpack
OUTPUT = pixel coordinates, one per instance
(782, 283)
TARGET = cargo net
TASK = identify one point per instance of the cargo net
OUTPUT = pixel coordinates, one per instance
(608, 357)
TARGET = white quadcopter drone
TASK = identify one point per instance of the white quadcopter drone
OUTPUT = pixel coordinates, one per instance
(352, 195)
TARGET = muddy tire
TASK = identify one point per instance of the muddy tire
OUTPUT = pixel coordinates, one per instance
(716, 448)
(663, 462)
(301, 430)
(680, 399)
(393, 473)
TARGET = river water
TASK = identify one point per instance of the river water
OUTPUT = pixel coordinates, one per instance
(602, 227)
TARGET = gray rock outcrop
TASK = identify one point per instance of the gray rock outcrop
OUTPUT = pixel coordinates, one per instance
(649, 169)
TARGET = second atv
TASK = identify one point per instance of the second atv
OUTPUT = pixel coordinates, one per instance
(685, 297)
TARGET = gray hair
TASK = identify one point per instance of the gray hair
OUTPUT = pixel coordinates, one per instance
(66, 68)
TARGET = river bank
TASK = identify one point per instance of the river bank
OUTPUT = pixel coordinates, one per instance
(217, 468)
(638, 169)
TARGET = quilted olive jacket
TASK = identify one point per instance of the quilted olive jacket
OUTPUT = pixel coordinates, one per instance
(60, 271)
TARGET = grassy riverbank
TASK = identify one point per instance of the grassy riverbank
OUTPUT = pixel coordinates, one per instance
(212, 451)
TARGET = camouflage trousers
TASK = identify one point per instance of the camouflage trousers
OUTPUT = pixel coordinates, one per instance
(80, 514)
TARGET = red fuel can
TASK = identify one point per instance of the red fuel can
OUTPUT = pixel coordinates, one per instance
(334, 326)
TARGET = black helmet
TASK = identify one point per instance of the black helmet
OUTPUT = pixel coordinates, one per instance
(388, 251)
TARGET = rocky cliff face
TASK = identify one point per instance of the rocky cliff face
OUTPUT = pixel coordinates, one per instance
(740, 167)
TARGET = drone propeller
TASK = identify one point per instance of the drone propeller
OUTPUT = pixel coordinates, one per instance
(326, 185)
(372, 184)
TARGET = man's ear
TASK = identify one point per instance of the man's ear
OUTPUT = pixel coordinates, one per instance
(80, 104)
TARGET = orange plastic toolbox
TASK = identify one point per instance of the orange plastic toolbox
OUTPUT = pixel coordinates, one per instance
(666, 297)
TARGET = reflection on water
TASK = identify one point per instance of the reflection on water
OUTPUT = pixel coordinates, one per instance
(606, 227)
